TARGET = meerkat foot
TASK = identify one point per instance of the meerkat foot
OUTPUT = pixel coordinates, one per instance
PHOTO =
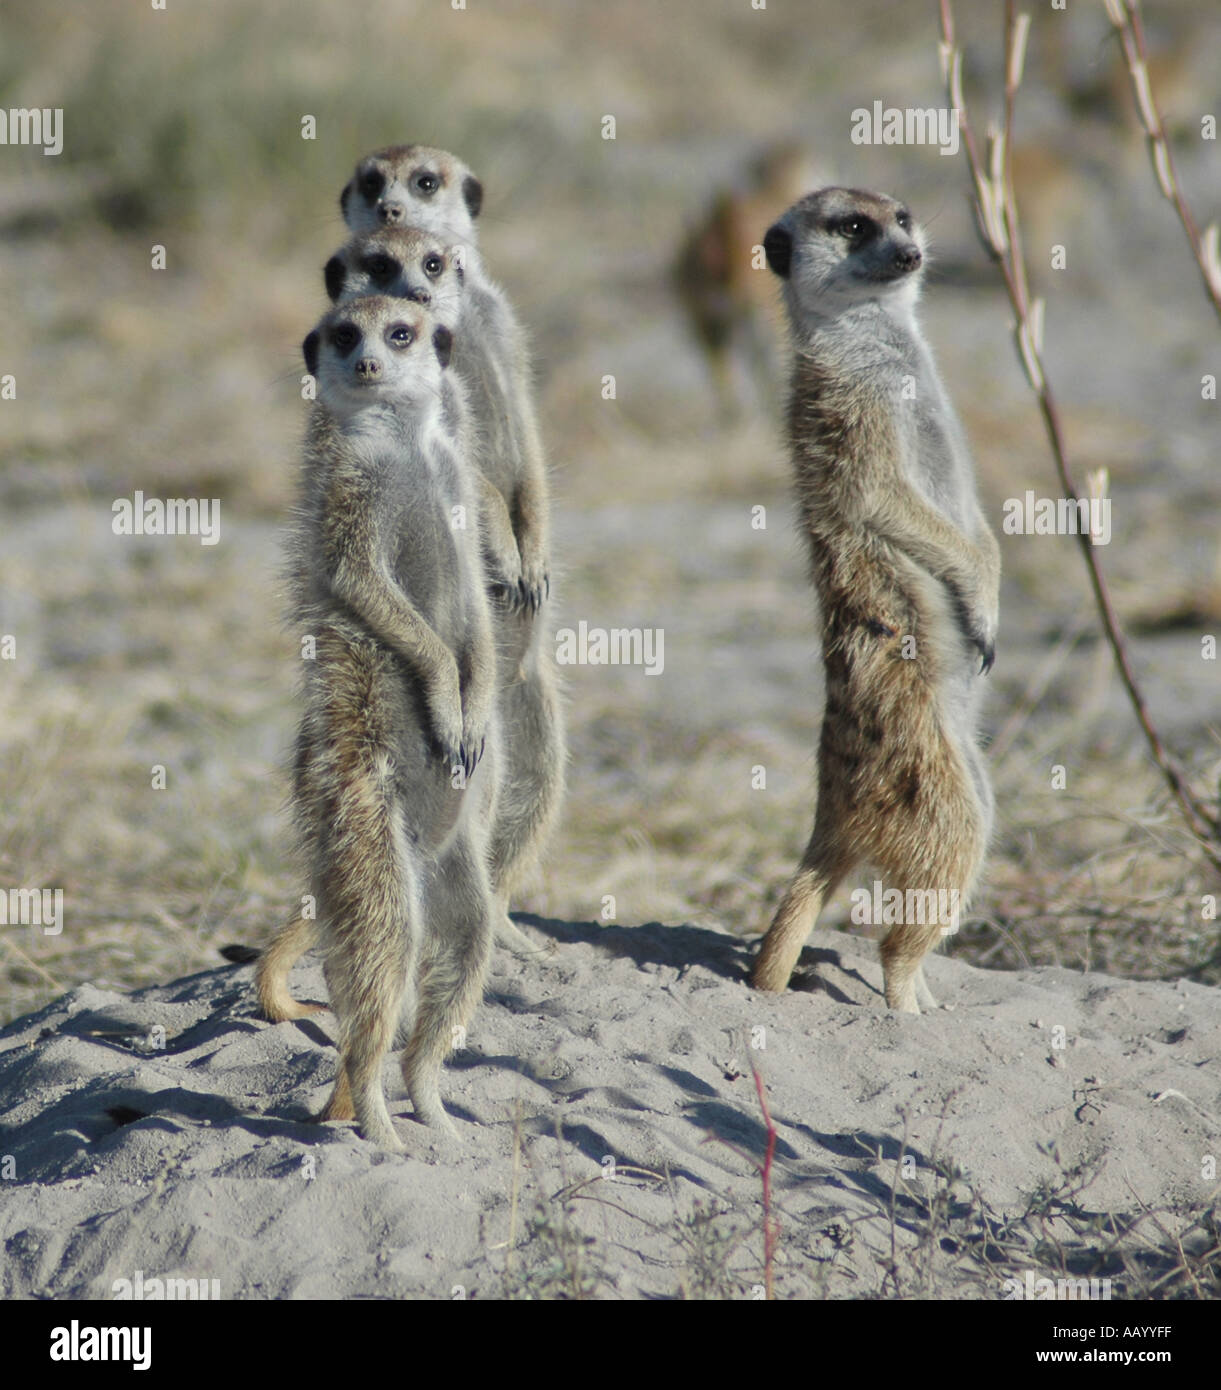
(374, 1125)
(924, 995)
(340, 1106)
(513, 939)
(900, 988)
(426, 1098)
(903, 1000)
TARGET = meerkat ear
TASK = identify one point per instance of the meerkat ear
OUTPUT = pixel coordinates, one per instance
(334, 275)
(343, 199)
(778, 248)
(472, 191)
(443, 341)
(309, 350)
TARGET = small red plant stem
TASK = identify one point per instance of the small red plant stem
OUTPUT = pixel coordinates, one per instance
(769, 1228)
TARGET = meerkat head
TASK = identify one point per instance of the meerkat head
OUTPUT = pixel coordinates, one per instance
(403, 262)
(377, 350)
(413, 186)
(840, 247)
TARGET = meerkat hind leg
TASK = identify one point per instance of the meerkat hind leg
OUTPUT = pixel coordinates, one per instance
(367, 1030)
(370, 908)
(815, 880)
(459, 925)
(902, 951)
(532, 787)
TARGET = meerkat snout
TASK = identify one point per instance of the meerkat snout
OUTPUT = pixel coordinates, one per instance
(368, 369)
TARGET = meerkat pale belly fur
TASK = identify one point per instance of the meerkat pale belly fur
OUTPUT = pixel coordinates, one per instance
(907, 573)
(396, 758)
(436, 192)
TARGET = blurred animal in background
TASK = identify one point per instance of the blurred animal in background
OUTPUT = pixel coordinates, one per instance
(720, 275)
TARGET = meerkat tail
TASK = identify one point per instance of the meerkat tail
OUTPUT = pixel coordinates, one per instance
(271, 977)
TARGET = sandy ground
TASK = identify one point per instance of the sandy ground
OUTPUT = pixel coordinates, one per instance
(168, 1131)
(187, 1151)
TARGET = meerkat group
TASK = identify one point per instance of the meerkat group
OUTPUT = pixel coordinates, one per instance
(429, 764)
(430, 759)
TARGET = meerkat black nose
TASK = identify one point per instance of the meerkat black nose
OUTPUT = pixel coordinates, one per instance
(778, 248)
(368, 369)
(420, 297)
(908, 258)
(392, 213)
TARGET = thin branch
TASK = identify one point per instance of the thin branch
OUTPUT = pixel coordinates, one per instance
(1125, 16)
(996, 212)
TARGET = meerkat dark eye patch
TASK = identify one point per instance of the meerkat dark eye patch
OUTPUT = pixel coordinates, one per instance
(309, 350)
(904, 219)
(381, 267)
(433, 265)
(344, 337)
(443, 343)
(427, 183)
(855, 228)
(400, 335)
(778, 248)
(334, 275)
(472, 192)
(372, 181)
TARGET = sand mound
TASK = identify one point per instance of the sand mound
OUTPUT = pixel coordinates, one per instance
(166, 1134)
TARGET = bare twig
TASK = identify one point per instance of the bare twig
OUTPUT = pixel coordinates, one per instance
(996, 211)
(1125, 16)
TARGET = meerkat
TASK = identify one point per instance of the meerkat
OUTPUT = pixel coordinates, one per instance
(436, 192)
(907, 572)
(396, 758)
(412, 263)
(408, 263)
(729, 303)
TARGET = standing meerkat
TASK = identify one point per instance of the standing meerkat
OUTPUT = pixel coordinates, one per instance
(407, 263)
(907, 573)
(436, 192)
(395, 771)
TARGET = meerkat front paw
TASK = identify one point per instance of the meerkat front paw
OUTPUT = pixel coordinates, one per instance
(978, 627)
(524, 594)
(982, 633)
(534, 587)
(474, 737)
(448, 732)
(987, 651)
